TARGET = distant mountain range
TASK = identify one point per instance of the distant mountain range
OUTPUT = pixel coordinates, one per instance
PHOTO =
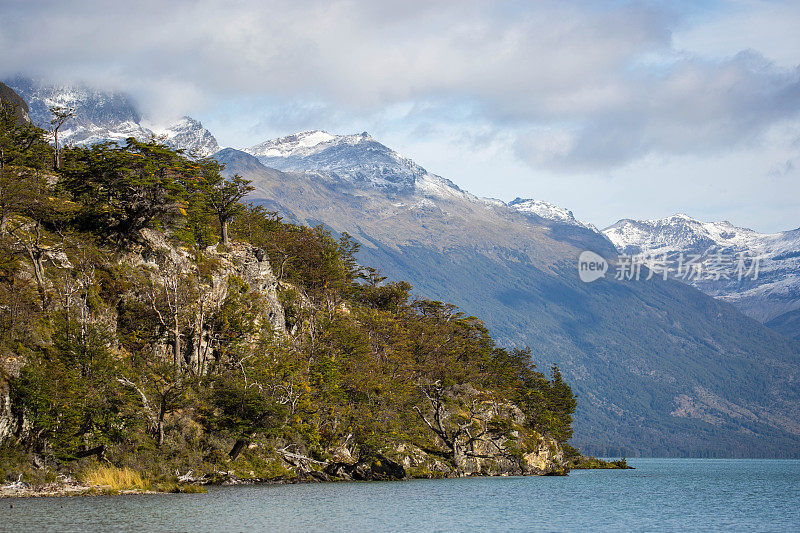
(359, 159)
(660, 368)
(774, 292)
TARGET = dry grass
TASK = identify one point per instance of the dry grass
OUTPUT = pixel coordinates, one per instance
(115, 479)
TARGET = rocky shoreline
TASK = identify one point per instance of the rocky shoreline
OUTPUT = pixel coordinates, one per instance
(377, 469)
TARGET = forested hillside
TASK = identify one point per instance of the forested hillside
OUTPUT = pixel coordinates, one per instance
(150, 319)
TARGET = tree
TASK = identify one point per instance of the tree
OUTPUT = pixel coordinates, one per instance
(223, 198)
(124, 189)
(21, 145)
(60, 116)
(173, 295)
(456, 420)
(69, 394)
(31, 197)
(161, 390)
(562, 404)
(256, 390)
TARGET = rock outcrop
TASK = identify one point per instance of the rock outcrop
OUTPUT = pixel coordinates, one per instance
(477, 434)
(168, 266)
(10, 98)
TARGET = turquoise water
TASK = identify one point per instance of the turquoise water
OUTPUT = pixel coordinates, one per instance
(661, 494)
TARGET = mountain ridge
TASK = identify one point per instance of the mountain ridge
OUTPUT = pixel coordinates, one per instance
(107, 116)
(375, 163)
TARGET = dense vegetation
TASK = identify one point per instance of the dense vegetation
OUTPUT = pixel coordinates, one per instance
(169, 361)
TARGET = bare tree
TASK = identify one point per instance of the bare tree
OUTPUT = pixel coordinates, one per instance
(161, 392)
(60, 116)
(455, 421)
(173, 297)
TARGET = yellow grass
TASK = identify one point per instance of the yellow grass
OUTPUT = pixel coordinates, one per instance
(115, 479)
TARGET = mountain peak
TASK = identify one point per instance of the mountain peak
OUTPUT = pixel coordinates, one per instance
(186, 133)
(773, 292)
(356, 159)
(305, 143)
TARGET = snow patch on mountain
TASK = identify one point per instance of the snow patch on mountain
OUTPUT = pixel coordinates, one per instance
(300, 144)
(549, 211)
(188, 134)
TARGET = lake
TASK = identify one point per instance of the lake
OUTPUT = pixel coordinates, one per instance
(661, 494)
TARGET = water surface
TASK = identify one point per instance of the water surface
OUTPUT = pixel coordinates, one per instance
(661, 494)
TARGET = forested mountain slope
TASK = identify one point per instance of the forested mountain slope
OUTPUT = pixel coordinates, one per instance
(660, 368)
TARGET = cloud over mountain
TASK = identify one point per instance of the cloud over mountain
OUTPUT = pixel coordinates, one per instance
(604, 85)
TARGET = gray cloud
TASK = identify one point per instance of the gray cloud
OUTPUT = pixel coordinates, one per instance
(581, 85)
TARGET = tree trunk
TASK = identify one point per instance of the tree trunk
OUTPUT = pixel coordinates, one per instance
(162, 413)
(237, 448)
(97, 450)
(459, 456)
(176, 345)
(38, 274)
(223, 228)
(55, 138)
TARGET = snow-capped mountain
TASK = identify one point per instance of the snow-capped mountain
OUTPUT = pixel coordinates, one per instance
(717, 247)
(188, 134)
(363, 164)
(107, 116)
(549, 212)
(358, 159)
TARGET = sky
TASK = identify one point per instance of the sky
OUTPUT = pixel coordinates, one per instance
(613, 109)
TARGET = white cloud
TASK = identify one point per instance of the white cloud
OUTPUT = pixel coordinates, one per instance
(576, 67)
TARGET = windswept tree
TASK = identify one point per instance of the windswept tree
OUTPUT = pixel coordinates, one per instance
(36, 232)
(60, 116)
(23, 150)
(124, 189)
(223, 198)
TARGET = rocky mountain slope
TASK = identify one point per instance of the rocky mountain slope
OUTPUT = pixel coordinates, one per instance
(357, 159)
(106, 116)
(659, 368)
(717, 246)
